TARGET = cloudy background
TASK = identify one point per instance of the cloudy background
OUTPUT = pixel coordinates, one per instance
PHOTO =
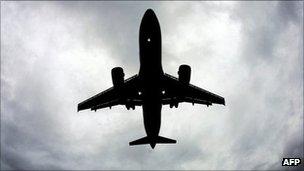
(56, 54)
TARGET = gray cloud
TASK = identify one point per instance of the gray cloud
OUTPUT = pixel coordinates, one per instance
(56, 54)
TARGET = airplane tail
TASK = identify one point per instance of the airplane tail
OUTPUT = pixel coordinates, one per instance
(152, 141)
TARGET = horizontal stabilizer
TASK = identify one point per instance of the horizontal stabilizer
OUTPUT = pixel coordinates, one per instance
(153, 141)
(165, 140)
(144, 140)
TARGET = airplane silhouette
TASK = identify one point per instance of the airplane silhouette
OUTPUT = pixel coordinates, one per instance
(151, 88)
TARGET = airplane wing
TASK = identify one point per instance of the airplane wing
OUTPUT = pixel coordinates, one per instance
(126, 95)
(176, 92)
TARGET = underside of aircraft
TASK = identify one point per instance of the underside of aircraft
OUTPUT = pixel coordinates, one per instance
(151, 87)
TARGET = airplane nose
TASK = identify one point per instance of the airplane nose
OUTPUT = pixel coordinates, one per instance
(149, 13)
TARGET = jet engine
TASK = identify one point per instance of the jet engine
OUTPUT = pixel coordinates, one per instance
(117, 77)
(184, 74)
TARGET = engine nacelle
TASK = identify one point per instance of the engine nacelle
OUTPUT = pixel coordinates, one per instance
(184, 74)
(117, 77)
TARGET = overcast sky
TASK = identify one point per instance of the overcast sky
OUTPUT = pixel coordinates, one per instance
(57, 54)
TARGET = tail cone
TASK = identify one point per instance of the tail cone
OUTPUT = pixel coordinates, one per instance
(152, 145)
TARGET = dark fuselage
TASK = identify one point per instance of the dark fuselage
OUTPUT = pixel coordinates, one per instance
(150, 72)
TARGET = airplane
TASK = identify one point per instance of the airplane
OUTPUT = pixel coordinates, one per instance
(151, 87)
